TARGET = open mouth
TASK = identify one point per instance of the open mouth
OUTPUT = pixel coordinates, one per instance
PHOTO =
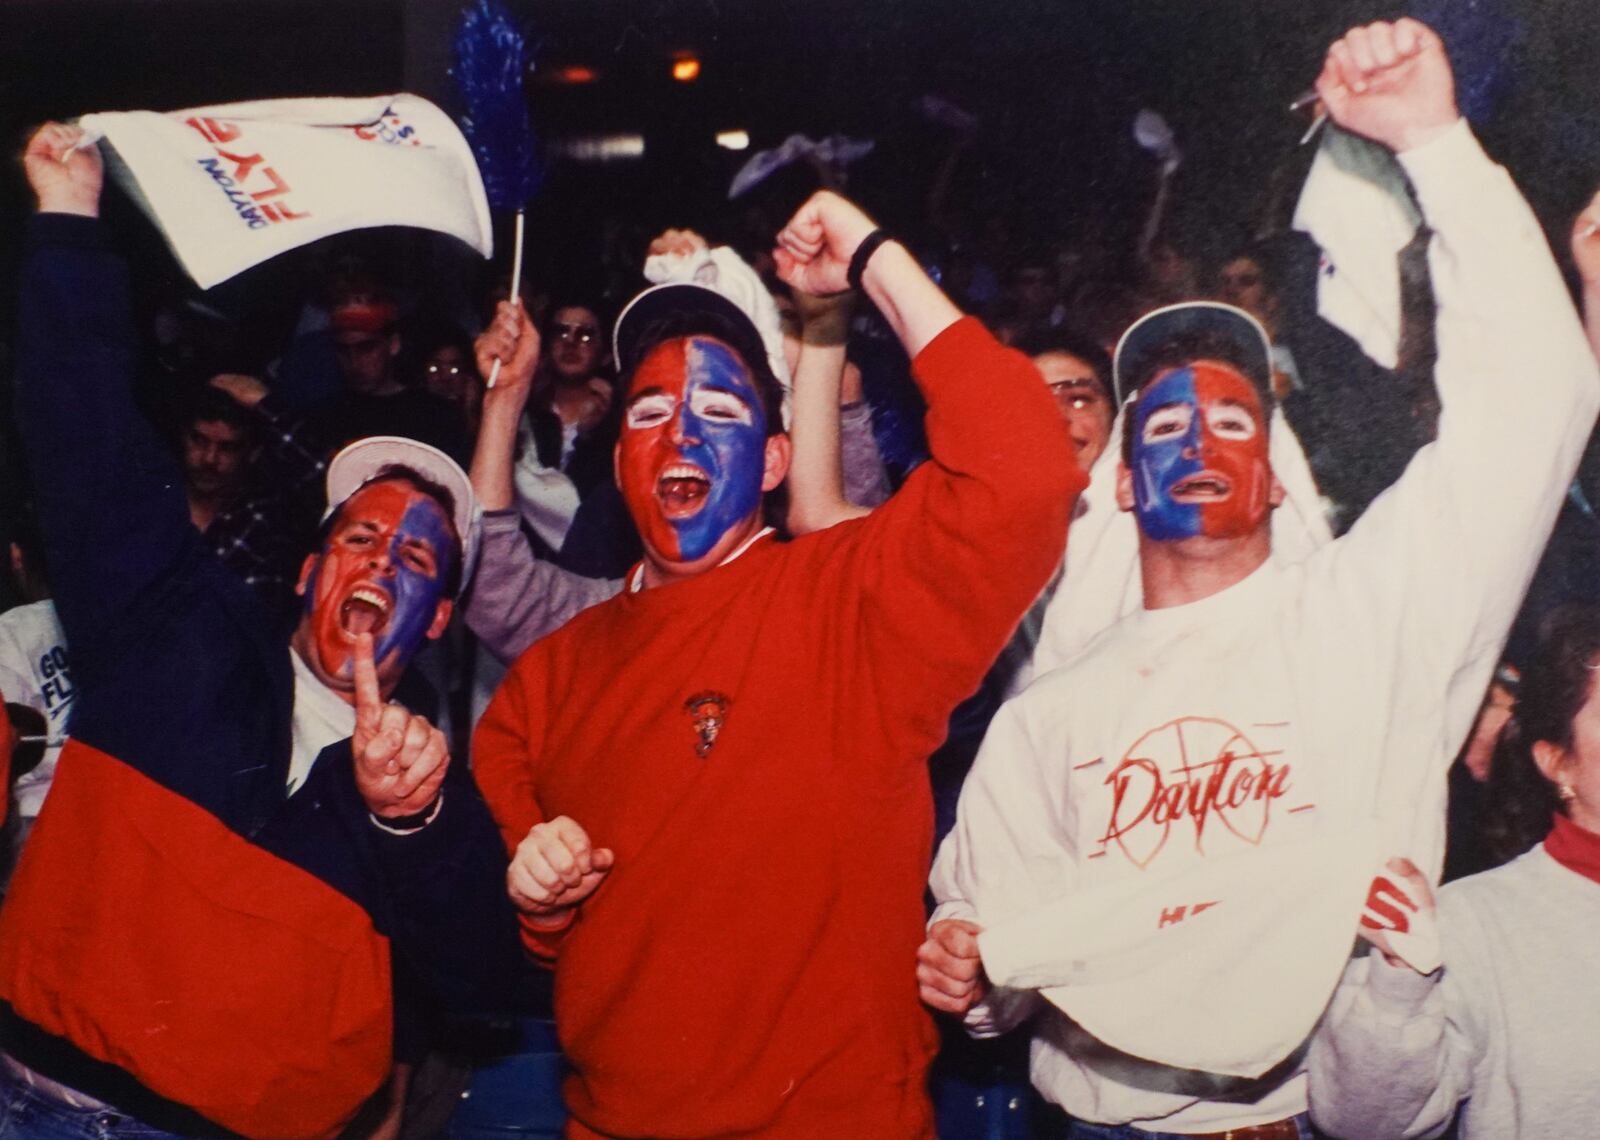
(1206, 487)
(681, 489)
(366, 610)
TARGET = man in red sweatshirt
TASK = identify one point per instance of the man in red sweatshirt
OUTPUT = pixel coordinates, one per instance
(714, 785)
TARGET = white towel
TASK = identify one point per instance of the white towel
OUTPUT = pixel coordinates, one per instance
(232, 186)
(1357, 207)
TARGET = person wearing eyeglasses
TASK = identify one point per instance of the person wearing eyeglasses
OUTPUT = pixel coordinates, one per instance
(564, 448)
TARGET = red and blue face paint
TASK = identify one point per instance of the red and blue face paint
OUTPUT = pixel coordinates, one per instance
(1200, 463)
(382, 572)
(693, 447)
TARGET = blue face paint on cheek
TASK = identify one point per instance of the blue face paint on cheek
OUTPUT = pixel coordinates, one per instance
(732, 453)
(416, 594)
(1161, 463)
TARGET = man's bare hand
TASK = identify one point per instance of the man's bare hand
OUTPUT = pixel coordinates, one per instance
(65, 179)
(555, 868)
(814, 250)
(677, 241)
(1391, 83)
(244, 388)
(400, 758)
(514, 342)
(1586, 242)
(949, 971)
(1399, 902)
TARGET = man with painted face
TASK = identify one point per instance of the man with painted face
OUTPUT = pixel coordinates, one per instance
(243, 839)
(714, 785)
(1164, 846)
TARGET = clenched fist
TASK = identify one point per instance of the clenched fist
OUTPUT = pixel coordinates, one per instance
(64, 173)
(1391, 83)
(554, 869)
(949, 970)
(511, 340)
(814, 250)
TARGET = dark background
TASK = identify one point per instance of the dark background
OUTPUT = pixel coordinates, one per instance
(1056, 84)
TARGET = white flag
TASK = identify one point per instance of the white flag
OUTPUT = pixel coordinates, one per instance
(232, 186)
(1356, 206)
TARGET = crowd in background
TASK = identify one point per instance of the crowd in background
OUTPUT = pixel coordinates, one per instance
(375, 342)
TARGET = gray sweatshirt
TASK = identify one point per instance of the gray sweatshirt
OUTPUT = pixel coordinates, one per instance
(1509, 1028)
(518, 597)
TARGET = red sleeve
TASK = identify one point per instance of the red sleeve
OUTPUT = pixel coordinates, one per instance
(961, 552)
(505, 749)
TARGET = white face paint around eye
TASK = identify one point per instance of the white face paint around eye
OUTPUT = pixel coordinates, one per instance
(724, 407)
(1229, 421)
(647, 411)
(1174, 419)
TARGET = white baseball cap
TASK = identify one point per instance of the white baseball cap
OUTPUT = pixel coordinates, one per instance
(361, 462)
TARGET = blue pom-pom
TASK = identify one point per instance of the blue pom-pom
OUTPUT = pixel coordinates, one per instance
(491, 57)
(1481, 37)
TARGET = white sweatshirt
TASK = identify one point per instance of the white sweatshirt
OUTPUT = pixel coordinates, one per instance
(34, 671)
(1170, 836)
(1510, 1026)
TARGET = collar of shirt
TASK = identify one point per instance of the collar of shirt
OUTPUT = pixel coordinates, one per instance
(321, 717)
(1574, 848)
(636, 578)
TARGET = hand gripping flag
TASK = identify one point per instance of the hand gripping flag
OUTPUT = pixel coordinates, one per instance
(232, 186)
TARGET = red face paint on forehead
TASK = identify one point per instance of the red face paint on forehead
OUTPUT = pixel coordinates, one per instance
(1215, 381)
(666, 367)
(382, 571)
(691, 454)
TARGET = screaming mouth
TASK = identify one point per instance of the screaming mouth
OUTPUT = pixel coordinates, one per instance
(1205, 487)
(366, 610)
(681, 489)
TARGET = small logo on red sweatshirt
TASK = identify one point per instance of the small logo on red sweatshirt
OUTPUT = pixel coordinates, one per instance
(709, 711)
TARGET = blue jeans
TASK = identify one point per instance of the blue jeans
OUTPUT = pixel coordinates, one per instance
(1082, 1130)
(25, 1112)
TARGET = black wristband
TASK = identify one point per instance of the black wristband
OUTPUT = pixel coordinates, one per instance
(863, 254)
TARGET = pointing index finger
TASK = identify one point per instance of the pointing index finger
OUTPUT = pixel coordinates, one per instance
(369, 701)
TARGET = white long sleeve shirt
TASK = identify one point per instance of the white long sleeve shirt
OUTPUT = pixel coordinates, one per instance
(1170, 836)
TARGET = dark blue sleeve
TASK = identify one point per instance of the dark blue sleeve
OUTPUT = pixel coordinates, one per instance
(110, 497)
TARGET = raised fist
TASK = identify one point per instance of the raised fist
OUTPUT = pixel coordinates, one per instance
(676, 241)
(1391, 83)
(814, 250)
(514, 342)
(64, 174)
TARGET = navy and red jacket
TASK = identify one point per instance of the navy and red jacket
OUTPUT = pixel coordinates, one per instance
(182, 938)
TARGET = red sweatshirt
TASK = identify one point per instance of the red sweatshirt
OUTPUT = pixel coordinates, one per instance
(748, 965)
